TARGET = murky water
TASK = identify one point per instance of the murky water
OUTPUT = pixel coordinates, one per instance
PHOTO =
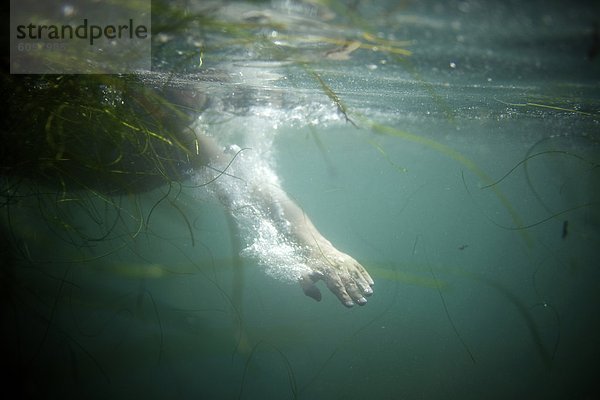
(464, 177)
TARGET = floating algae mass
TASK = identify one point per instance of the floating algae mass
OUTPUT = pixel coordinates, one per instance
(452, 148)
(105, 133)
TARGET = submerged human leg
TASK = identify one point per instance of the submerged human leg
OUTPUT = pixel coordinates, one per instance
(344, 276)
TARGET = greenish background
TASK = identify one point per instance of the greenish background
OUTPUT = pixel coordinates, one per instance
(479, 292)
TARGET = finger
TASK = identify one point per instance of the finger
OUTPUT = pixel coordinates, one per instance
(334, 283)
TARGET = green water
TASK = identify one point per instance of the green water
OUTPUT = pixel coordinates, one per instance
(479, 292)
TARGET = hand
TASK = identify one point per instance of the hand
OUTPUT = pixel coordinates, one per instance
(344, 276)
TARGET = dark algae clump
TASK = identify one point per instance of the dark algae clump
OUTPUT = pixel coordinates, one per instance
(107, 133)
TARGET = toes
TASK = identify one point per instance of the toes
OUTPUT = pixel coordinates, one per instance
(313, 292)
(345, 278)
(362, 282)
(364, 287)
(356, 293)
(365, 275)
(361, 301)
(334, 283)
(309, 287)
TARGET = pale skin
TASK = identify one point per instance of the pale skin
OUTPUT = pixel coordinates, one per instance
(345, 277)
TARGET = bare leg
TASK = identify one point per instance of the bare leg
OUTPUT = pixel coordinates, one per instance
(344, 276)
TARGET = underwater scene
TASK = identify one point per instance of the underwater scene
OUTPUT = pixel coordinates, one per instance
(319, 199)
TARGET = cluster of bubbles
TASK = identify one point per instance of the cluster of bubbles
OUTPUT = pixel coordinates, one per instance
(242, 181)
